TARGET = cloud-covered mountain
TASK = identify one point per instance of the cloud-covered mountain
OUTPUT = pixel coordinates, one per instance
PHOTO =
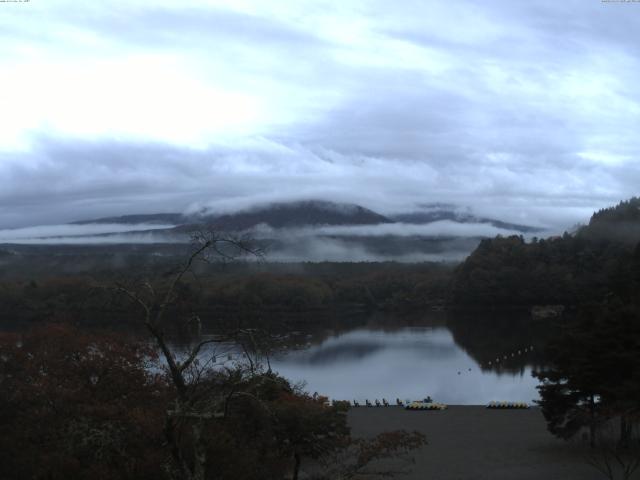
(274, 215)
(320, 214)
(309, 230)
(291, 215)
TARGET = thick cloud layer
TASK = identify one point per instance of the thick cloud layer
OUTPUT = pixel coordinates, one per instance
(524, 111)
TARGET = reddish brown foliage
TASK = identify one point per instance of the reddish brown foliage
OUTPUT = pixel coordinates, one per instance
(78, 405)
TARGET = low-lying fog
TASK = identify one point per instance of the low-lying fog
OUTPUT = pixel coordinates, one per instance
(444, 240)
(70, 233)
(440, 228)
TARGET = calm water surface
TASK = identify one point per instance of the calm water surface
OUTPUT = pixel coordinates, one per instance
(407, 362)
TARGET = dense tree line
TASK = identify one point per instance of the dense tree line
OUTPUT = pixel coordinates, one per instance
(590, 381)
(89, 299)
(569, 270)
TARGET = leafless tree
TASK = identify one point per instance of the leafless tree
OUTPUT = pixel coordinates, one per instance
(193, 407)
(203, 395)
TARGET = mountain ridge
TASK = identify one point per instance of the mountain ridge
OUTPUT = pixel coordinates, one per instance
(306, 213)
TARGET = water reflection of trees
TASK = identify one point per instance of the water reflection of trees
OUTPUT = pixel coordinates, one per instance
(488, 336)
(484, 335)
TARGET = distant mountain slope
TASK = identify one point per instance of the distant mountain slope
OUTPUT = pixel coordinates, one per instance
(291, 215)
(449, 213)
(307, 213)
(158, 218)
(310, 230)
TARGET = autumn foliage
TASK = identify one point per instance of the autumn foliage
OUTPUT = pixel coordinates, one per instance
(78, 405)
(75, 405)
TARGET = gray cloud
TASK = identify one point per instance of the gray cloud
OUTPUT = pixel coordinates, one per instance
(71, 181)
(526, 112)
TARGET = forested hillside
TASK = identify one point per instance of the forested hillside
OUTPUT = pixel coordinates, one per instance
(253, 291)
(599, 258)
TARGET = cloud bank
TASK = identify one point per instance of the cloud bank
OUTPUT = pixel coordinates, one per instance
(53, 232)
(524, 111)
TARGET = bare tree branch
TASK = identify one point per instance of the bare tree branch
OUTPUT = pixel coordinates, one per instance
(182, 366)
(190, 404)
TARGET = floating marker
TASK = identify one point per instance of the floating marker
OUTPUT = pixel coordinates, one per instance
(507, 405)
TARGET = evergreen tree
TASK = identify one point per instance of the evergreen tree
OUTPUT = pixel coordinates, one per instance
(594, 373)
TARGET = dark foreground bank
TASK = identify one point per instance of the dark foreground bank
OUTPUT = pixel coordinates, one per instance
(475, 443)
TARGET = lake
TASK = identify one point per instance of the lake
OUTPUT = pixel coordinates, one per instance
(458, 359)
(408, 362)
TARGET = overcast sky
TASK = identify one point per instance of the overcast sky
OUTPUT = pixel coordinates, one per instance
(525, 110)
